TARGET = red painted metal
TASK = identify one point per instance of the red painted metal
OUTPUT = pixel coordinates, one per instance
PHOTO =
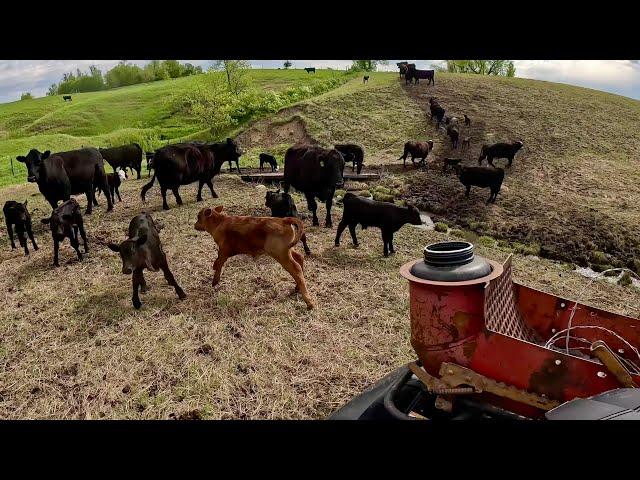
(448, 324)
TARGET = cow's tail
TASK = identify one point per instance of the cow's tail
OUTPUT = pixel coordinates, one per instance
(299, 227)
(406, 152)
(146, 188)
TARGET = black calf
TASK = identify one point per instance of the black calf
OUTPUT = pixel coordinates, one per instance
(16, 214)
(66, 222)
(282, 205)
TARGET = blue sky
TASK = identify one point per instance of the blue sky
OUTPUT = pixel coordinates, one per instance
(615, 76)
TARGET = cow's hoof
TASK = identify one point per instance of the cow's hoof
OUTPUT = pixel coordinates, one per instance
(215, 195)
(310, 306)
(26, 254)
(182, 295)
(144, 289)
(165, 207)
(337, 244)
(137, 304)
(56, 264)
(35, 247)
(88, 212)
(198, 199)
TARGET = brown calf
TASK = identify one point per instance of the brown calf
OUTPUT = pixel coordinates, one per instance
(236, 235)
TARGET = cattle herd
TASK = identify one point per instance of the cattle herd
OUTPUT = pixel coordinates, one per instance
(312, 170)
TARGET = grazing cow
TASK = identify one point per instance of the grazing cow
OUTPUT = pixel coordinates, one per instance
(237, 235)
(415, 75)
(483, 177)
(65, 222)
(63, 174)
(365, 79)
(450, 162)
(453, 134)
(16, 214)
(500, 150)
(141, 250)
(185, 163)
(310, 69)
(416, 150)
(270, 159)
(466, 142)
(66, 97)
(282, 205)
(114, 180)
(125, 156)
(467, 121)
(370, 213)
(352, 153)
(316, 172)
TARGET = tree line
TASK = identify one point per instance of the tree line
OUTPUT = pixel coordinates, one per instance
(121, 75)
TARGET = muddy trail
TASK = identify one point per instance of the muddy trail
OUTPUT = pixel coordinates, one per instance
(540, 204)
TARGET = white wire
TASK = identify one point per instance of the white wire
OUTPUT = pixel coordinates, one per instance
(575, 306)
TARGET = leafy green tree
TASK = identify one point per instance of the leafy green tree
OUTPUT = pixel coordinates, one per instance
(26, 96)
(287, 64)
(173, 68)
(236, 72)
(53, 90)
(124, 74)
(504, 68)
(367, 65)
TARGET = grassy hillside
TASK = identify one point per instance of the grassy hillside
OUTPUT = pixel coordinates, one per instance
(142, 113)
(573, 190)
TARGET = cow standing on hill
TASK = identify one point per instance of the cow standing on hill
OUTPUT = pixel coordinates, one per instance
(63, 174)
(483, 177)
(185, 163)
(415, 75)
(310, 69)
(500, 150)
(416, 150)
(124, 156)
(316, 172)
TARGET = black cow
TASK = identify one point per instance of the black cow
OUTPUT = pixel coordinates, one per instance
(141, 250)
(16, 214)
(450, 162)
(352, 153)
(467, 120)
(316, 172)
(66, 222)
(454, 135)
(416, 150)
(402, 67)
(114, 180)
(310, 69)
(269, 159)
(370, 213)
(63, 174)
(415, 75)
(185, 163)
(124, 156)
(66, 97)
(483, 177)
(437, 111)
(282, 205)
(365, 79)
(499, 150)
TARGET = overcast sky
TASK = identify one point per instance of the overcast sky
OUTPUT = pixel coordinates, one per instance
(616, 76)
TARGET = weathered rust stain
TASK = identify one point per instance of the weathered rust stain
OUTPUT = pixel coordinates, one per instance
(461, 321)
(550, 379)
(469, 349)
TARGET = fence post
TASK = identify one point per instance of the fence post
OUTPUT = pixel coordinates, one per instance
(12, 172)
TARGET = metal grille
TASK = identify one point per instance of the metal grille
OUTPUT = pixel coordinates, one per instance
(501, 311)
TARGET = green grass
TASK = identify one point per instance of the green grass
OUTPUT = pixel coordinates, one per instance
(141, 113)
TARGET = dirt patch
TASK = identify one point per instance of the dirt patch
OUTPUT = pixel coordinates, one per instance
(287, 127)
(556, 194)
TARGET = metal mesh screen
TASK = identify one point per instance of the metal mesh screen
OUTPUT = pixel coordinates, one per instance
(501, 311)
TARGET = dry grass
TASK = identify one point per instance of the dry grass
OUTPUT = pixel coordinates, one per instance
(72, 345)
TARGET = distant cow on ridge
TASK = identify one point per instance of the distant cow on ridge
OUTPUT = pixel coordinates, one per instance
(310, 69)
(66, 97)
